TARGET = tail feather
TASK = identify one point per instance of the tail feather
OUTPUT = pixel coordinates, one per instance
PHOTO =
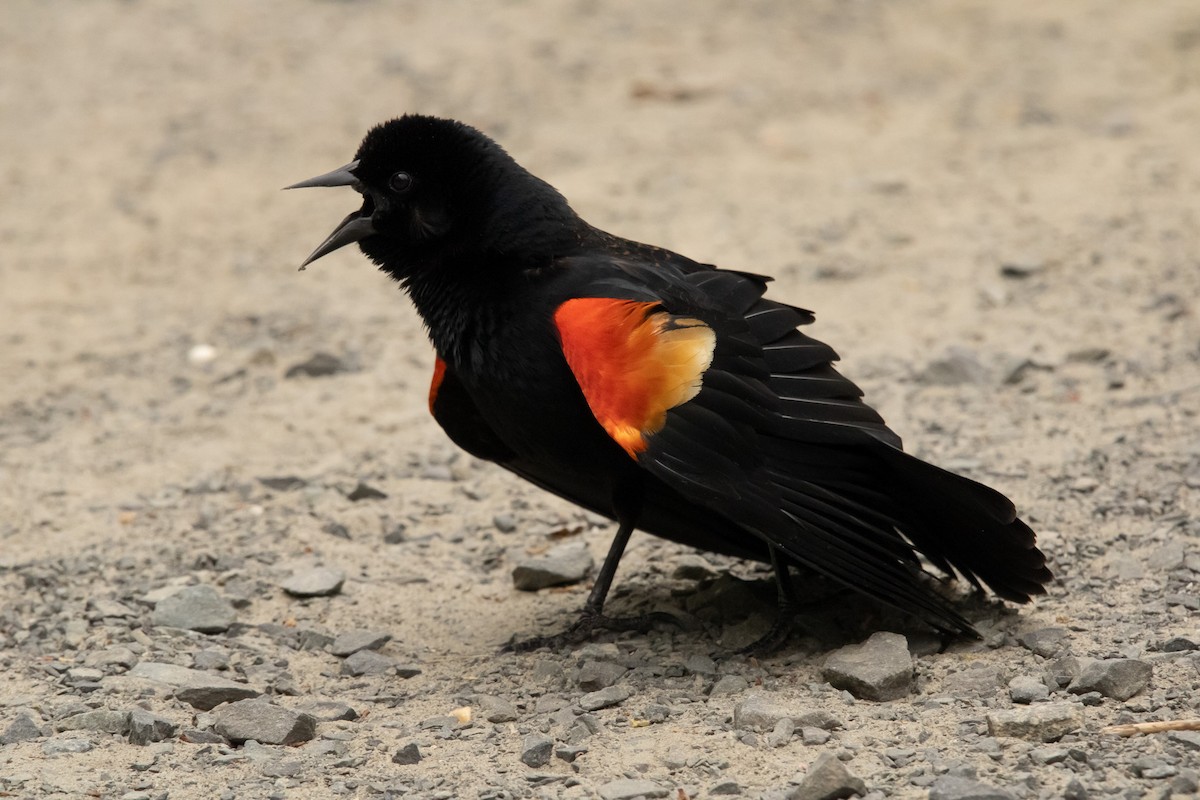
(973, 527)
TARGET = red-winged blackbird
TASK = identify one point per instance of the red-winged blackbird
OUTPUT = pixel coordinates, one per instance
(668, 395)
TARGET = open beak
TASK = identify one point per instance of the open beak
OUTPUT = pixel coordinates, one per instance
(354, 227)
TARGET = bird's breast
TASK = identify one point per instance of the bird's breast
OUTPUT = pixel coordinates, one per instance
(527, 393)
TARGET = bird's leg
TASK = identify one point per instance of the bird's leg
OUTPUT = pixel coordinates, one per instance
(788, 605)
(592, 618)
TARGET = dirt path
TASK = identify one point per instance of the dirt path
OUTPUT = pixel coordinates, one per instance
(993, 209)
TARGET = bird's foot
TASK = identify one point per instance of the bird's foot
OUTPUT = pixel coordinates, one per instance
(773, 639)
(587, 624)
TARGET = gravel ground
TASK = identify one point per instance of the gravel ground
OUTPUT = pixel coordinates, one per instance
(238, 560)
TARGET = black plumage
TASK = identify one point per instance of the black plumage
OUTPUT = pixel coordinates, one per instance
(772, 455)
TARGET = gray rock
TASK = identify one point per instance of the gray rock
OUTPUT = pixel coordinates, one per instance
(1044, 722)
(584, 726)
(497, 709)
(368, 662)
(611, 696)
(596, 675)
(700, 665)
(692, 567)
(1168, 557)
(196, 688)
(762, 711)
(729, 684)
(1075, 790)
(1180, 644)
(314, 582)
(569, 752)
(781, 734)
(319, 365)
(1046, 642)
(1063, 670)
(22, 729)
(1118, 678)
(194, 736)
(955, 787)
(1023, 265)
(210, 658)
(282, 768)
(880, 668)
(100, 720)
(536, 750)
(407, 755)
(84, 674)
(1049, 755)
(567, 563)
(328, 711)
(977, 680)
(59, 747)
(505, 523)
(263, 722)
(195, 608)
(630, 788)
(959, 366)
(351, 642)
(100, 607)
(1025, 689)
(725, 787)
(145, 727)
(1152, 768)
(1189, 740)
(827, 779)
(813, 736)
(115, 656)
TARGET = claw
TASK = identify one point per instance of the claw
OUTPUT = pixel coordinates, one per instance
(587, 624)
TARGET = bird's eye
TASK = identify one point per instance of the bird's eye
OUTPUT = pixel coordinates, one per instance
(401, 182)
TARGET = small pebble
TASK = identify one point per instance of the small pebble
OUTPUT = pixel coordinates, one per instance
(21, 729)
(368, 662)
(564, 564)
(781, 734)
(604, 698)
(263, 722)
(827, 778)
(1025, 689)
(1046, 722)
(199, 689)
(880, 668)
(58, 747)
(814, 736)
(319, 365)
(1118, 678)
(146, 728)
(631, 788)
(729, 684)
(315, 582)
(408, 754)
(954, 787)
(195, 608)
(596, 675)
(351, 642)
(536, 750)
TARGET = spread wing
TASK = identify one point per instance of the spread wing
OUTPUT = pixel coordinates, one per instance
(711, 388)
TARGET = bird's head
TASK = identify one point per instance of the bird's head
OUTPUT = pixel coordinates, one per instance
(433, 188)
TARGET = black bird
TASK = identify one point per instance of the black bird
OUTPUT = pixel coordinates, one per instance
(669, 395)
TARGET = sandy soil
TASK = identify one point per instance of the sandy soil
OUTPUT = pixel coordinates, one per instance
(993, 209)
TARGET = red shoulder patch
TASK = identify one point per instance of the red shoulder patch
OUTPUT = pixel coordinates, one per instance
(633, 361)
(439, 372)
